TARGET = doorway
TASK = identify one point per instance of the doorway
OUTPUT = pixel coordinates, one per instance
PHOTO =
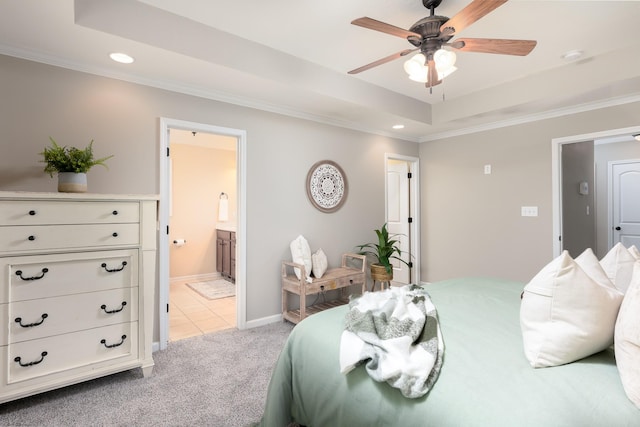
(603, 142)
(203, 176)
(166, 125)
(402, 214)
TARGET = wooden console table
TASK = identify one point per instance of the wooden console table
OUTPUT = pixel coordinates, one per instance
(351, 273)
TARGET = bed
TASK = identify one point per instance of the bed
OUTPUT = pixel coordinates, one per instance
(485, 379)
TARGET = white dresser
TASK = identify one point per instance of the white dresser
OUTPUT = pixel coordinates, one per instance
(76, 288)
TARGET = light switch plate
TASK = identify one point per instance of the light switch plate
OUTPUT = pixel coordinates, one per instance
(529, 211)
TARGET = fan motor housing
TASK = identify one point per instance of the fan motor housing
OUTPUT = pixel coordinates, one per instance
(429, 27)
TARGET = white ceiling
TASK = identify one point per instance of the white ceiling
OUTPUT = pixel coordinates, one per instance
(292, 57)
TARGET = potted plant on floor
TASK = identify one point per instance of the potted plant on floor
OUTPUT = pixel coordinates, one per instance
(71, 164)
(383, 251)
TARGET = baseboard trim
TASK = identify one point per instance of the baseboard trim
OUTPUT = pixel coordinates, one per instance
(263, 321)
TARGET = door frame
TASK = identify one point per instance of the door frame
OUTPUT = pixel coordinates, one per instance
(556, 174)
(163, 219)
(414, 208)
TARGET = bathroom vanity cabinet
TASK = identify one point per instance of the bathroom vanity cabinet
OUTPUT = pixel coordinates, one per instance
(226, 254)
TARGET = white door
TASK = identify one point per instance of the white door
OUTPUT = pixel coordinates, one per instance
(625, 191)
(398, 213)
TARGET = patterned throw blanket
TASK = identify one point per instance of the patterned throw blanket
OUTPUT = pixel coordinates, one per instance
(396, 334)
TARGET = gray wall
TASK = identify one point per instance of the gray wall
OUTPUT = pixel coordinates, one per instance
(471, 223)
(578, 210)
(39, 101)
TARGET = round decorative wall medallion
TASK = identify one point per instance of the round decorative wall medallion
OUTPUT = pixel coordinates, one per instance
(326, 186)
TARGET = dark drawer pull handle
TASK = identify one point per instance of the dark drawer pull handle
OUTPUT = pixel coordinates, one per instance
(31, 238)
(31, 325)
(113, 270)
(115, 212)
(32, 213)
(115, 234)
(18, 359)
(118, 310)
(104, 342)
(44, 271)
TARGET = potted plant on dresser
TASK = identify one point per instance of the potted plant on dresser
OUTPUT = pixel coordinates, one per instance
(71, 164)
(383, 251)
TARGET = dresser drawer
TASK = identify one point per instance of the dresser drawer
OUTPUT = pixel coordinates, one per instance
(57, 237)
(41, 318)
(37, 212)
(45, 276)
(46, 356)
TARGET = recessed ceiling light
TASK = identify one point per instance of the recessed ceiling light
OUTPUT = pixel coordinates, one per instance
(572, 55)
(121, 57)
(398, 126)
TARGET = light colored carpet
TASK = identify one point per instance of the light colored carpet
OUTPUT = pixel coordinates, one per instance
(214, 289)
(217, 379)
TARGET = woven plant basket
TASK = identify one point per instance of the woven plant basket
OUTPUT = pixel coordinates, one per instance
(379, 273)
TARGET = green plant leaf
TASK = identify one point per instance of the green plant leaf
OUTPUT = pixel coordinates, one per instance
(384, 250)
(70, 159)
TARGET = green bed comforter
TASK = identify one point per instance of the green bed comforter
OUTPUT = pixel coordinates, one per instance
(485, 379)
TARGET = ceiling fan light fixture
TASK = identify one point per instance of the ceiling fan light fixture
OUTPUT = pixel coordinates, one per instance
(444, 59)
(415, 64)
(418, 71)
(421, 77)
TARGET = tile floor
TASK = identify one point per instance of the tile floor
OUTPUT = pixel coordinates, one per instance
(191, 314)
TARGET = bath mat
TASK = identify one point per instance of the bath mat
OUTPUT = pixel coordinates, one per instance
(214, 289)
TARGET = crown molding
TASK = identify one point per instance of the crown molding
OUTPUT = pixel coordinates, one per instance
(560, 112)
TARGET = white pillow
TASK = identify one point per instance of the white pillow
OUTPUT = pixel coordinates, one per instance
(618, 264)
(565, 315)
(589, 263)
(319, 261)
(627, 339)
(301, 254)
(635, 252)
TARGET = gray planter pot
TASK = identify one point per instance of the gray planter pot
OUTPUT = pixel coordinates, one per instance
(71, 182)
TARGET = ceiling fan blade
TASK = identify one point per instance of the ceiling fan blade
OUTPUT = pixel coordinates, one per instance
(433, 74)
(499, 46)
(373, 24)
(383, 60)
(470, 14)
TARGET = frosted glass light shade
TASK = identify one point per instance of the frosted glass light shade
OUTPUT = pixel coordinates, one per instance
(414, 64)
(444, 59)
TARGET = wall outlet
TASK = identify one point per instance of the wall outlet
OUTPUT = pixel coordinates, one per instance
(487, 169)
(529, 211)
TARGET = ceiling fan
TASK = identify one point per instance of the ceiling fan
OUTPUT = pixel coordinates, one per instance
(429, 35)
